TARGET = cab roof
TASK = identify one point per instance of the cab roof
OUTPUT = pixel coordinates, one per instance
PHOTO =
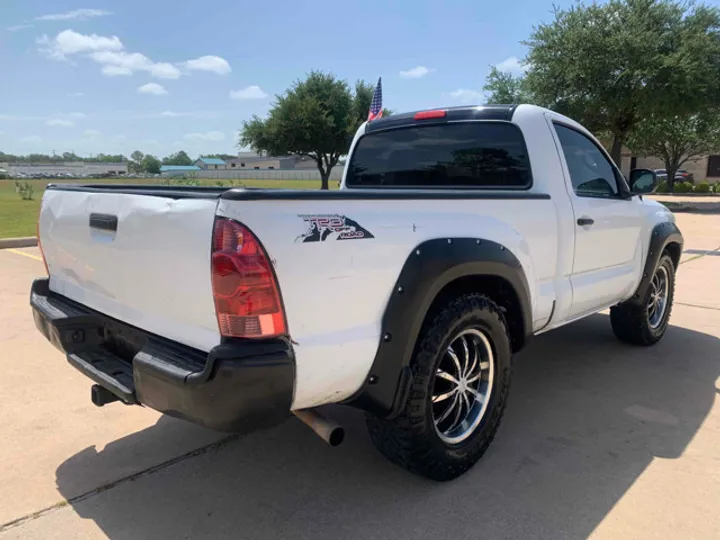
(465, 112)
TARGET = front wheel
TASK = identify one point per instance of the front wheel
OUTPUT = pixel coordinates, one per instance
(645, 323)
(461, 375)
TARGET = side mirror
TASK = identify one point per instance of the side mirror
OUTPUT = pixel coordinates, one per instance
(643, 181)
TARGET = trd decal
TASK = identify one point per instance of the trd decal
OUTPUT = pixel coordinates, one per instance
(321, 227)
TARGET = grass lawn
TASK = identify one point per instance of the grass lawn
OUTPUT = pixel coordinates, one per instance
(18, 218)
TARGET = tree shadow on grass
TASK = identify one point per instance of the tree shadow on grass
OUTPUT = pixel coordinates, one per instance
(586, 417)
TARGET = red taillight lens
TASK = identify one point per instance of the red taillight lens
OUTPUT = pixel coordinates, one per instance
(247, 298)
(429, 115)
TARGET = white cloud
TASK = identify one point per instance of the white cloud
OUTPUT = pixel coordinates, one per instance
(152, 88)
(68, 43)
(17, 27)
(415, 73)
(174, 114)
(251, 92)
(209, 136)
(31, 139)
(78, 115)
(125, 63)
(467, 96)
(76, 14)
(116, 71)
(110, 53)
(58, 122)
(163, 70)
(76, 94)
(91, 133)
(511, 65)
(214, 64)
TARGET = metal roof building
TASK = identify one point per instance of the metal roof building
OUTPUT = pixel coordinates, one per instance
(210, 163)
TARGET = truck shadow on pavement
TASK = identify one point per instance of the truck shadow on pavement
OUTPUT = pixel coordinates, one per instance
(586, 417)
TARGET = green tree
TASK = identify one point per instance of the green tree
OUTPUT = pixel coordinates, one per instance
(504, 87)
(220, 156)
(677, 139)
(611, 65)
(150, 164)
(316, 118)
(178, 158)
(136, 164)
(39, 158)
(107, 158)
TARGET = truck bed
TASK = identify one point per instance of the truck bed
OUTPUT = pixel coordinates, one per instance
(336, 254)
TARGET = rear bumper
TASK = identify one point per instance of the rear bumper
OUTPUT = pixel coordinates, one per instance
(239, 386)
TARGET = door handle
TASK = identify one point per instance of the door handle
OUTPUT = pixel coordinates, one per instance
(104, 222)
(585, 221)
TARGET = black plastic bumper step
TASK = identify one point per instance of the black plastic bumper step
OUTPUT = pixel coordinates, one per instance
(108, 371)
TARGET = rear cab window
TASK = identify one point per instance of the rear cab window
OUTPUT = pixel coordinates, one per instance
(463, 155)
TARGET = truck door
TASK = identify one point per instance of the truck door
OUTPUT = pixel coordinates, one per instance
(608, 223)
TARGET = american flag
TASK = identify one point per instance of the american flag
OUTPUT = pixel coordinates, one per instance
(376, 105)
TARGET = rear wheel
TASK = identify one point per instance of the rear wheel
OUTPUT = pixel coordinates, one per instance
(461, 375)
(645, 323)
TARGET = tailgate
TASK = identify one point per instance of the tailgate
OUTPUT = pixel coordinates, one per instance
(144, 260)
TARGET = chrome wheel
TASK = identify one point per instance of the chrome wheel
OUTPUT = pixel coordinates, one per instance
(462, 387)
(657, 304)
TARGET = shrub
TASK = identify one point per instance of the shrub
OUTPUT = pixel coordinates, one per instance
(702, 187)
(683, 187)
(24, 190)
(662, 187)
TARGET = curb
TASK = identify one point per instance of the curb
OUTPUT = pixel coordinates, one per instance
(28, 241)
(689, 208)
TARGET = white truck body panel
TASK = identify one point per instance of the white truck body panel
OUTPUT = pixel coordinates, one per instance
(153, 273)
(335, 292)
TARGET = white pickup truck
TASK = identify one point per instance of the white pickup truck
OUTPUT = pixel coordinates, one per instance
(456, 235)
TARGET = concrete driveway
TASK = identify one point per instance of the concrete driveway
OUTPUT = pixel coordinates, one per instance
(599, 440)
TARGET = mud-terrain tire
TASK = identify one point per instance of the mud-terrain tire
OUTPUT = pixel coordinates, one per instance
(418, 438)
(645, 323)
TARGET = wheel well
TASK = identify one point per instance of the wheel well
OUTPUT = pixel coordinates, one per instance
(496, 288)
(674, 250)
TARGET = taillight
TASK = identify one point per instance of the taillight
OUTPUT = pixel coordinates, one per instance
(247, 298)
(42, 254)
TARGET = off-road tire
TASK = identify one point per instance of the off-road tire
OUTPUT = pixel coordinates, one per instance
(410, 439)
(630, 322)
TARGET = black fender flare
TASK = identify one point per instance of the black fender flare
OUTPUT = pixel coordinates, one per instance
(429, 268)
(662, 234)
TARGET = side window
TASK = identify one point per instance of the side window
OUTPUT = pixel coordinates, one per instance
(591, 173)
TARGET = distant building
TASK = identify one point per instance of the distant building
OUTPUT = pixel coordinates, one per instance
(179, 170)
(207, 163)
(251, 160)
(67, 168)
(703, 168)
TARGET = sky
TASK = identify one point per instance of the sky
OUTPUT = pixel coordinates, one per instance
(161, 75)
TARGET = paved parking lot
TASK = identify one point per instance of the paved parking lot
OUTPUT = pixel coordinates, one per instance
(599, 439)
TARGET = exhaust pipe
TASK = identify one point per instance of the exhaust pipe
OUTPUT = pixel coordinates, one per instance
(328, 430)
